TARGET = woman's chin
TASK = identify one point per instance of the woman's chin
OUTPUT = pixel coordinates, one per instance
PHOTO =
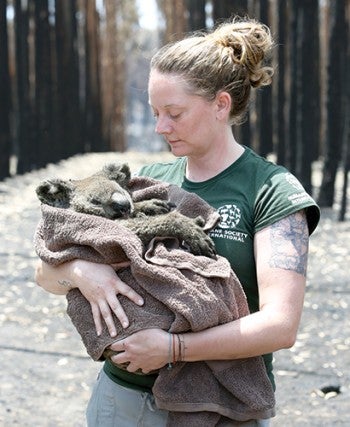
(178, 151)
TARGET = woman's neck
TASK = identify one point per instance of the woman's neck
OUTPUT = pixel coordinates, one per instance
(211, 164)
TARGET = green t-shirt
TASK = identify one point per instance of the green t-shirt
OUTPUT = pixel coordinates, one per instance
(249, 195)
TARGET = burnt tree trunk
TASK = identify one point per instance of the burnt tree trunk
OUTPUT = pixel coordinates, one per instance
(264, 99)
(196, 15)
(223, 10)
(335, 102)
(23, 105)
(281, 103)
(114, 93)
(309, 91)
(346, 140)
(93, 119)
(43, 84)
(294, 89)
(68, 80)
(175, 18)
(5, 96)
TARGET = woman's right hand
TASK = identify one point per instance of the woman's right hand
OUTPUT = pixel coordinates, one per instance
(100, 285)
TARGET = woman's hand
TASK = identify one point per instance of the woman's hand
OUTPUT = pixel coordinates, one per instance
(99, 283)
(147, 350)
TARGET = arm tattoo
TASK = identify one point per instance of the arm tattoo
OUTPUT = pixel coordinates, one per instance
(65, 283)
(289, 243)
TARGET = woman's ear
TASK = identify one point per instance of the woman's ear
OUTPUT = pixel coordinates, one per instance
(223, 105)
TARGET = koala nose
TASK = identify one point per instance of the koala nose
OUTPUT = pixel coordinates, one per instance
(121, 208)
(120, 205)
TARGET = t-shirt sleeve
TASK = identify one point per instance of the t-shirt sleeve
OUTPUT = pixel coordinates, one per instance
(281, 195)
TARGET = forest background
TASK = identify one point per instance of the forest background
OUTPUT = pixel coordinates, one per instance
(73, 79)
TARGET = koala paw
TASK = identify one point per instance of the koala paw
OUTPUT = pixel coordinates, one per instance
(152, 207)
(196, 239)
(201, 244)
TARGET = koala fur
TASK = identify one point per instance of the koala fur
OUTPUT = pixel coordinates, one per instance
(106, 194)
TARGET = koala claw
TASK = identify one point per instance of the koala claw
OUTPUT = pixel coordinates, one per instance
(206, 248)
(152, 207)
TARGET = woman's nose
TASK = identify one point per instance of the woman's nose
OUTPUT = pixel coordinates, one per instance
(162, 126)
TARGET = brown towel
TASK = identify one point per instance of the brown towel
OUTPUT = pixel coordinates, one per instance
(182, 292)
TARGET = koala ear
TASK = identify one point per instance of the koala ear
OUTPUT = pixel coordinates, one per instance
(119, 173)
(55, 192)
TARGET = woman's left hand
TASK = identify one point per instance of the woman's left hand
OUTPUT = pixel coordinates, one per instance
(147, 350)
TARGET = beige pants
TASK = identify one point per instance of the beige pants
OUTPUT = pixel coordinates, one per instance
(112, 405)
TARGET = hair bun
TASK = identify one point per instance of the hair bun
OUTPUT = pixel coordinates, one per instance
(247, 43)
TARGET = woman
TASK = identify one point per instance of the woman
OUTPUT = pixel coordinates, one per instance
(198, 88)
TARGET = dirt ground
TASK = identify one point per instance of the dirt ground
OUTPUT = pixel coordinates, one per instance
(46, 376)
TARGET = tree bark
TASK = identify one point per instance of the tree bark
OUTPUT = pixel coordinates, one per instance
(92, 114)
(294, 89)
(196, 15)
(5, 96)
(175, 18)
(68, 80)
(43, 84)
(309, 91)
(22, 84)
(335, 102)
(346, 140)
(225, 9)
(281, 83)
(264, 100)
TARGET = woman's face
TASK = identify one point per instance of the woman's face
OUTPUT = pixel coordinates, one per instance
(187, 122)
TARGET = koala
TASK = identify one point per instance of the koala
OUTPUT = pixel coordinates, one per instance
(106, 194)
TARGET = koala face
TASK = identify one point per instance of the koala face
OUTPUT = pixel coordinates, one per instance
(103, 194)
(100, 196)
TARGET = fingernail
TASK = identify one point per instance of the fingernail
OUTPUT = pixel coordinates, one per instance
(140, 302)
(125, 324)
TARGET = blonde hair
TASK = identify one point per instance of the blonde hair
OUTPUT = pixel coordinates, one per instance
(231, 58)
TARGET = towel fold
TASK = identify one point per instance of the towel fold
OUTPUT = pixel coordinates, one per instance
(182, 293)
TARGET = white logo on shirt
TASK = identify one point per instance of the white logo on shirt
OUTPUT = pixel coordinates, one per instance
(230, 216)
(292, 180)
(301, 196)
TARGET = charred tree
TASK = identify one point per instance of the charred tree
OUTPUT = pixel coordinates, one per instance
(346, 140)
(92, 106)
(23, 102)
(309, 91)
(281, 101)
(196, 14)
(335, 102)
(264, 99)
(116, 38)
(113, 89)
(174, 13)
(43, 84)
(294, 87)
(5, 96)
(224, 10)
(68, 80)
(346, 169)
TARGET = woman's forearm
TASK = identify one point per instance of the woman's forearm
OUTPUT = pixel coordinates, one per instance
(56, 280)
(249, 336)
